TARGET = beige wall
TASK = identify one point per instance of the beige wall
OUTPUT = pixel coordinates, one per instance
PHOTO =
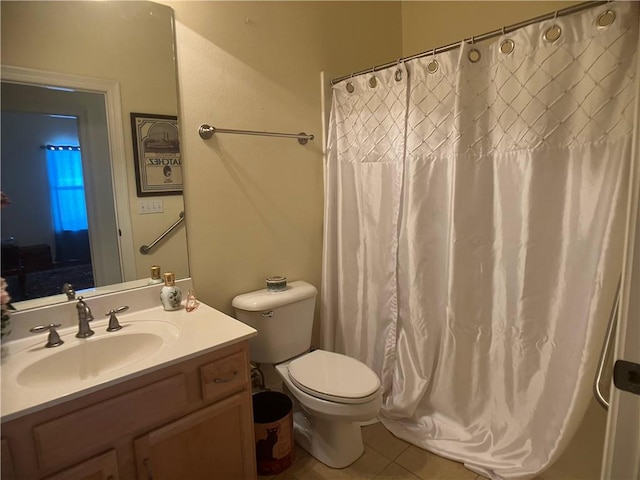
(427, 25)
(131, 42)
(255, 204)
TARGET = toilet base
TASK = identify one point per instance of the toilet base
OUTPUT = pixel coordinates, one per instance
(336, 444)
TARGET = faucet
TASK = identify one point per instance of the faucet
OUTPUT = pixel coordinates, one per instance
(68, 289)
(84, 317)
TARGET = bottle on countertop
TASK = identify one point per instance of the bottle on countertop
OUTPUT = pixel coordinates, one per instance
(170, 294)
(155, 275)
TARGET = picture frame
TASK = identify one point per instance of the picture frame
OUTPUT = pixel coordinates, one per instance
(156, 153)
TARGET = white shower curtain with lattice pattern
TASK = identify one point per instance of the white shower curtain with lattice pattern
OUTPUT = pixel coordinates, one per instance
(473, 235)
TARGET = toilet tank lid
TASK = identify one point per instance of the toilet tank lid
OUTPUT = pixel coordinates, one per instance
(264, 299)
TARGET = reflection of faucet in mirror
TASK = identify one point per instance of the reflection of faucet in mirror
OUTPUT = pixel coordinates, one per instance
(38, 45)
(84, 317)
(67, 288)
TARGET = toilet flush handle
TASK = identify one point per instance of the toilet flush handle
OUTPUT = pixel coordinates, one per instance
(267, 314)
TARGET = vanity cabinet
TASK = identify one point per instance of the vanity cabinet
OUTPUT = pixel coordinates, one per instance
(190, 420)
(201, 445)
(102, 467)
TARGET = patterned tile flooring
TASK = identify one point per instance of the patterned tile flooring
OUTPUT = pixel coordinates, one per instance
(385, 457)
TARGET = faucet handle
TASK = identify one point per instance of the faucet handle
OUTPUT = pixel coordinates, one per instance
(54, 339)
(114, 325)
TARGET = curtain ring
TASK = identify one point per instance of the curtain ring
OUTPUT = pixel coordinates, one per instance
(432, 66)
(398, 75)
(507, 46)
(554, 32)
(605, 19)
(350, 87)
(474, 54)
(373, 81)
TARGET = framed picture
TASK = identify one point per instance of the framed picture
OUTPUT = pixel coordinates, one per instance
(156, 152)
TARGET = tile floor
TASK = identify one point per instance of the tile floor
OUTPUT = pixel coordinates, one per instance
(385, 457)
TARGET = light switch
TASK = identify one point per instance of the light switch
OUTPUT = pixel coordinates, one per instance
(151, 205)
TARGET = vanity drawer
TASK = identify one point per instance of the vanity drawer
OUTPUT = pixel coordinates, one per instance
(224, 376)
(86, 431)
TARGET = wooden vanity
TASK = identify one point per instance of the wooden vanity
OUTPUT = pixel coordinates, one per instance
(191, 420)
(183, 412)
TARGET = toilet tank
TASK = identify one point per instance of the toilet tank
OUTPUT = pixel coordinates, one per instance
(284, 321)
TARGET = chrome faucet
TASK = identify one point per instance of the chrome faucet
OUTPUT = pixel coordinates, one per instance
(67, 288)
(84, 317)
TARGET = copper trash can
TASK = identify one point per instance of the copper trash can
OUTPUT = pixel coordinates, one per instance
(273, 429)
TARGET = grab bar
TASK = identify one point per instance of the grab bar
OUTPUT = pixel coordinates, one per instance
(206, 132)
(604, 354)
(145, 249)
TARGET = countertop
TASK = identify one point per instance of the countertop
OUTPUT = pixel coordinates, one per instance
(197, 332)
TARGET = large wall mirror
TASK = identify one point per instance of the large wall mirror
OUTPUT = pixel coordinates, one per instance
(72, 75)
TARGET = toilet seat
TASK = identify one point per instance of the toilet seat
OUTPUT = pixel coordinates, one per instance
(334, 377)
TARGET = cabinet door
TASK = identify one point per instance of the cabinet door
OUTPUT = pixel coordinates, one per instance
(7, 462)
(102, 467)
(214, 442)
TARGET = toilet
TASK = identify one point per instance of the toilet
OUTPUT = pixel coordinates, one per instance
(332, 393)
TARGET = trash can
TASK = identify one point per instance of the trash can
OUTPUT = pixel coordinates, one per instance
(273, 428)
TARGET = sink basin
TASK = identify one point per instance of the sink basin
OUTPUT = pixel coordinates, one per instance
(33, 377)
(82, 359)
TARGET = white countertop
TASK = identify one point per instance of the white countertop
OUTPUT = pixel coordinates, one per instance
(200, 331)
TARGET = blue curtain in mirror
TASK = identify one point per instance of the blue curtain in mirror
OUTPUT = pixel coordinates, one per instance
(68, 205)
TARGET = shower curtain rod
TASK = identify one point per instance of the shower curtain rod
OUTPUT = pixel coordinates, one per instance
(478, 38)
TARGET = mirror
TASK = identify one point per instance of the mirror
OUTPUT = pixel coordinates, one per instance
(72, 74)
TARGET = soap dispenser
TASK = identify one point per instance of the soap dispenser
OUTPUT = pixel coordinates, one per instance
(170, 294)
(155, 275)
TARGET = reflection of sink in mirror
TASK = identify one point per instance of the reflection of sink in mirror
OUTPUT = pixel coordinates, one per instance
(82, 359)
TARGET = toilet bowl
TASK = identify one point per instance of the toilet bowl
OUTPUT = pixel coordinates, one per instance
(332, 393)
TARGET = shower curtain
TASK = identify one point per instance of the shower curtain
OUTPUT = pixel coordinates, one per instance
(474, 208)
